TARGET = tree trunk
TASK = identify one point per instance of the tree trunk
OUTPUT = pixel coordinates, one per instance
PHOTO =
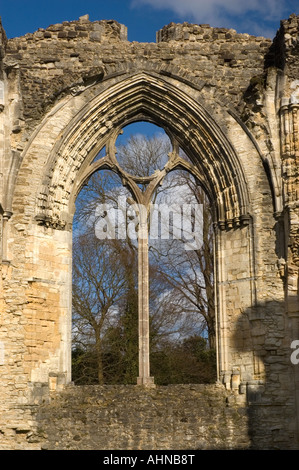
(99, 359)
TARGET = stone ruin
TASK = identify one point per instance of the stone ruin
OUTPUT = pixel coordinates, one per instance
(231, 102)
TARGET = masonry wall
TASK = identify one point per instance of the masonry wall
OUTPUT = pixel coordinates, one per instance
(60, 59)
(174, 417)
(177, 417)
(49, 83)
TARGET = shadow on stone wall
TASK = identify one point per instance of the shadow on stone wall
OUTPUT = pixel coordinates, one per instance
(262, 331)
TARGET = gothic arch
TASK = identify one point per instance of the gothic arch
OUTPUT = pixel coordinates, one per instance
(148, 97)
(59, 157)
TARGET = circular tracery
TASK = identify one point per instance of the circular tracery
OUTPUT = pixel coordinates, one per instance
(152, 181)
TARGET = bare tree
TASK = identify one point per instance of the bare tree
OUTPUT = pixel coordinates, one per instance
(191, 272)
(98, 291)
(143, 155)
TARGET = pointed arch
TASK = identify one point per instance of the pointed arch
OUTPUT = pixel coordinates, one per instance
(148, 97)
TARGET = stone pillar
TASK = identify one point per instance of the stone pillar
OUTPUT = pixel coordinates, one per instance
(234, 298)
(6, 216)
(143, 300)
(289, 114)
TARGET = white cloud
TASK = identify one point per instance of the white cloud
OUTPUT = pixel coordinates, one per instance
(225, 13)
(209, 10)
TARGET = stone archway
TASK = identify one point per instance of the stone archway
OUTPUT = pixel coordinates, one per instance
(74, 133)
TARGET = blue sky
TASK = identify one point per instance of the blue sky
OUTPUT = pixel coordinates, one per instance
(144, 17)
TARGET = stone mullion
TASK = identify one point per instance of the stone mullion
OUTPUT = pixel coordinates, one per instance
(142, 207)
(143, 301)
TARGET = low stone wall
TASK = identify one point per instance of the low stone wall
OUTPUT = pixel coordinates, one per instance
(129, 417)
(176, 417)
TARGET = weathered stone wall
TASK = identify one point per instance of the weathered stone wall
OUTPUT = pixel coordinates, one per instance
(63, 57)
(127, 417)
(231, 101)
(175, 417)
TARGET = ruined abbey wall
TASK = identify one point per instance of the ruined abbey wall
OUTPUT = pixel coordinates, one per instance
(232, 102)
